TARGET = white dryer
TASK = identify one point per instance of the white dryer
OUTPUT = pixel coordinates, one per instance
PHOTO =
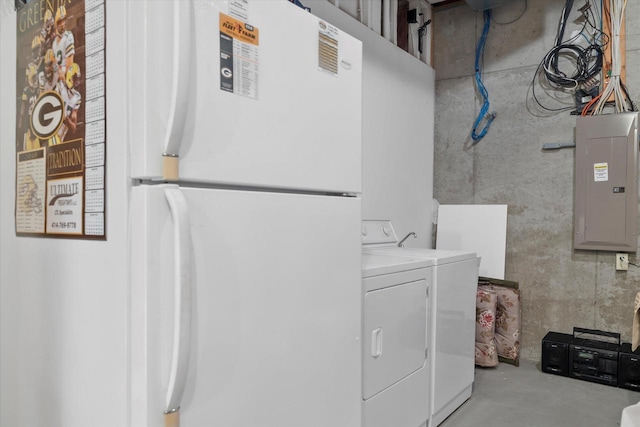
(395, 300)
(452, 319)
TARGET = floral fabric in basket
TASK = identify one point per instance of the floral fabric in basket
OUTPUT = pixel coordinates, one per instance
(508, 322)
(486, 301)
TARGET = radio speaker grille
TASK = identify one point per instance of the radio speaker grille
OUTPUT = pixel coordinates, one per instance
(555, 353)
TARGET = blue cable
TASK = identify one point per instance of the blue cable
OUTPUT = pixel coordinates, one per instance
(484, 111)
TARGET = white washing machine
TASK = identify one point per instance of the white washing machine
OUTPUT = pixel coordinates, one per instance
(395, 300)
(452, 319)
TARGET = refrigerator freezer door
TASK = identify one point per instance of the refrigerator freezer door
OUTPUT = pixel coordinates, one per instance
(290, 116)
(276, 314)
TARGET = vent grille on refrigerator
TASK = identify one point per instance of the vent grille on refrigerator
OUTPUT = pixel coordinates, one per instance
(328, 54)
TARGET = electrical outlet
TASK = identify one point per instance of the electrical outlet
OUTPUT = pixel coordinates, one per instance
(622, 261)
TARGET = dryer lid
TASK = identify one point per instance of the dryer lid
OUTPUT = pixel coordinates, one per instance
(377, 264)
(438, 256)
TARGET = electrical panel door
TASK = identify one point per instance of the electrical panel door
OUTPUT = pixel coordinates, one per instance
(606, 191)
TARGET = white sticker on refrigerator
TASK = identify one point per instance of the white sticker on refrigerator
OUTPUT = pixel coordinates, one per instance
(239, 9)
(239, 57)
(601, 172)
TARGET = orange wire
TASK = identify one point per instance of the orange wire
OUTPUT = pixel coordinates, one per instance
(586, 107)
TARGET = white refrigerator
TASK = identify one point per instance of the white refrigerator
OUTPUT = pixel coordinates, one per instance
(200, 263)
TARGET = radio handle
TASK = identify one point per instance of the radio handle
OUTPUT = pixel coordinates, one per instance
(596, 332)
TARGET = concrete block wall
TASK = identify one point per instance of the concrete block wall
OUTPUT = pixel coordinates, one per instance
(561, 287)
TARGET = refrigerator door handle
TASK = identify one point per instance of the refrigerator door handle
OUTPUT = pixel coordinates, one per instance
(183, 303)
(181, 62)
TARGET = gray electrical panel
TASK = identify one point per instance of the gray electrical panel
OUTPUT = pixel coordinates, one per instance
(606, 188)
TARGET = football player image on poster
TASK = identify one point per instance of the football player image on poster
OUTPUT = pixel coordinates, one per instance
(53, 115)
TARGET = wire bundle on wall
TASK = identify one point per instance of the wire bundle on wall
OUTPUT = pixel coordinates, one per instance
(614, 86)
(585, 60)
(588, 61)
(484, 110)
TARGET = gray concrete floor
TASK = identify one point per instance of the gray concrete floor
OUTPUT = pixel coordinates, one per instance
(524, 396)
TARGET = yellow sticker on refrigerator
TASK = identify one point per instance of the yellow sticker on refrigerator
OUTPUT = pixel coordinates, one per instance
(239, 57)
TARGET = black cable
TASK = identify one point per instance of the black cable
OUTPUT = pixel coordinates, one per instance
(587, 61)
(582, 57)
(533, 91)
(594, 26)
(519, 16)
(563, 21)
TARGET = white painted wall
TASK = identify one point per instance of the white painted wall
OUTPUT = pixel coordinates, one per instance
(398, 125)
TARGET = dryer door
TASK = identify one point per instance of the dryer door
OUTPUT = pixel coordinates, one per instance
(394, 334)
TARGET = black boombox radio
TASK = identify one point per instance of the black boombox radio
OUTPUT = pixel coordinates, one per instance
(588, 354)
(592, 359)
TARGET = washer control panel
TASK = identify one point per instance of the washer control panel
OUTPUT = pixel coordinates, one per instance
(376, 232)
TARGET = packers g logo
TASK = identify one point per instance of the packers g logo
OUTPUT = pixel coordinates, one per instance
(47, 115)
(226, 72)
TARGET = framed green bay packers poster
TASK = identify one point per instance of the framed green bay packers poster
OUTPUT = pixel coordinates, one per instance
(60, 119)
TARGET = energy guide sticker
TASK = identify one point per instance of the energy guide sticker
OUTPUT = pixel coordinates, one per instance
(239, 57)
(328, 48)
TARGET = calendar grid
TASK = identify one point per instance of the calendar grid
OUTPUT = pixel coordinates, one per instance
(95, 117)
